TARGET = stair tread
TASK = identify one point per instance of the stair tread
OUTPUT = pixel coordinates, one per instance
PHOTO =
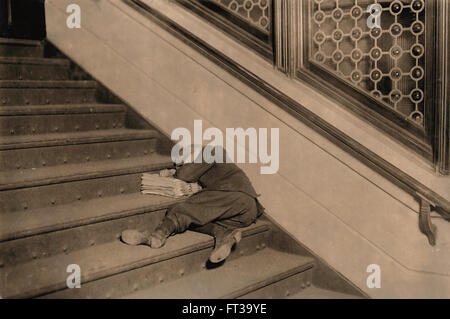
(31, 222)
(33, 60)
(69, 138)
(19, 84)
(20, 41)
(47, 275)
(231, 280)
(60, 109)
(80, 171)
(314, 292)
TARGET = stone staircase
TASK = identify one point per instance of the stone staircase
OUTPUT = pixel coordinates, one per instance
(70, 169)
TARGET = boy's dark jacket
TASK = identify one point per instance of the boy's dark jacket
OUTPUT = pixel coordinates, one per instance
(218, 177)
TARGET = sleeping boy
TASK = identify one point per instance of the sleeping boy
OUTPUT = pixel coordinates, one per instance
(226, 203)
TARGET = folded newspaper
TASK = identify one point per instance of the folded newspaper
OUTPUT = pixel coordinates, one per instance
(167, 186)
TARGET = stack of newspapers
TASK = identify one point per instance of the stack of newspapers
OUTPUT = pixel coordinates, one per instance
(167, 186)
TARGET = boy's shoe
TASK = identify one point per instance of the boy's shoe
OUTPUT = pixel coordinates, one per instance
(158, 238)
(155, 240)
(224, 244)
(135, 237)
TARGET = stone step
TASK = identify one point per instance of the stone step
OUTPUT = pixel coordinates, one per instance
(235, 279)
(22, 68)
(74, 148)
(10, 180)
(41, 119)
(32, 198)
(21, 48)
(45, 232)
(17, 225)
(47, 92)
(106, 268)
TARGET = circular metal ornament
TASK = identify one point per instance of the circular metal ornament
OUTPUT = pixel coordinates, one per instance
(375, 75)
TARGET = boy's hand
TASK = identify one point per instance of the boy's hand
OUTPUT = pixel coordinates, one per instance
(167, 172)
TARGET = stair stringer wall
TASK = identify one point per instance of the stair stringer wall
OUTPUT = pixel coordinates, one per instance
(321, 201)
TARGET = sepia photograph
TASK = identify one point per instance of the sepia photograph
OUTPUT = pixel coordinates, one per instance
(194, 150)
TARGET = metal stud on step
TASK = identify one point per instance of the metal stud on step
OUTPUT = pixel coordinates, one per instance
(182, 272)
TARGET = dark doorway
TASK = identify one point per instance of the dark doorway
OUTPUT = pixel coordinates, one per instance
(22, 19)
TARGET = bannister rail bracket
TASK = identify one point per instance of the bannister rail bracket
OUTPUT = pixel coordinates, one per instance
(425, 224)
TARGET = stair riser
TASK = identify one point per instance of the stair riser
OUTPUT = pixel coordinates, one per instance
(73, 154)
(282, 288)
(70, 192)
(42, 96)
(128, 282)
(12, 50)
(65, 241)
(41, 124)
(9, 71)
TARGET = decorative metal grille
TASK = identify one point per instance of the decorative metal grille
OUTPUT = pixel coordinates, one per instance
(255, 12)
(387, 63)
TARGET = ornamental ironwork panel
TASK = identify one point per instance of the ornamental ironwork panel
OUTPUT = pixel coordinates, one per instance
(380, 53)
(248, 21)
(255, 12)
